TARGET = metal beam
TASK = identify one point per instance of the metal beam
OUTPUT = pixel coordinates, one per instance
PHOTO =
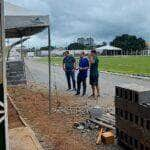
(49, 66)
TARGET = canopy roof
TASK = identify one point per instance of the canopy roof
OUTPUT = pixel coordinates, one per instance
(21, 22)
(109, 48)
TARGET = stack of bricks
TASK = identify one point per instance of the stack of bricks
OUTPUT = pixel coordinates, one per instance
(16, 72)
(132, 104)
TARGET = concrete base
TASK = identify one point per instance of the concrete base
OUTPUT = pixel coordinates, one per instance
(23, 138)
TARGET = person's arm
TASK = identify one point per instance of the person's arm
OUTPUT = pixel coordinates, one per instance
(63, 65)
(85, 68)
(64, 68)
(88, 65)
(74, 64)
(91, 59)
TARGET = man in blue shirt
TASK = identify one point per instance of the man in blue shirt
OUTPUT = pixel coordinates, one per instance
(82, 75)
(69, 66)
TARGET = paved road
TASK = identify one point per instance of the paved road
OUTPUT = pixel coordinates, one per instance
(108, 81)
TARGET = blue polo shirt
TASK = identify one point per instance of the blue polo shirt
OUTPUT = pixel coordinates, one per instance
(83, 62)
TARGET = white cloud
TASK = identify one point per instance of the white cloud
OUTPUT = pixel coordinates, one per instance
(103, 19)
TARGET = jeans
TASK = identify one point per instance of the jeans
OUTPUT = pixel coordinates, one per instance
(70, 74)
(79, 81)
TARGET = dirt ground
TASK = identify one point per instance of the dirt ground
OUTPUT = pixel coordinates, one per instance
(13, 117)
(54, 131)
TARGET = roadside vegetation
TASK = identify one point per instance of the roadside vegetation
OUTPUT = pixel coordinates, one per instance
(139, 65)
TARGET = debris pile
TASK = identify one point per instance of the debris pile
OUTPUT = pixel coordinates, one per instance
(100, 122)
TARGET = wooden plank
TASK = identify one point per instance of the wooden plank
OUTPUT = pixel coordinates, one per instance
(106, 121)
(102, 124)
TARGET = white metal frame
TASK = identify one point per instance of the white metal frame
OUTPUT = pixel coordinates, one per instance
(4, 105)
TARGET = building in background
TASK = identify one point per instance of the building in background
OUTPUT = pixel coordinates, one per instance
(147, 45)
(30, 54)
(109, 50)
(132, 104)
(146, 52)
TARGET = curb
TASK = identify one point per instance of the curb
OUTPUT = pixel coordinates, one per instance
(123, 74)
(127, 75)
(35, 140)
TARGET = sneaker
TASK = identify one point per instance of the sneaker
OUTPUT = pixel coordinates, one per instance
(74, 89)
(98, 96)
(68, 89)
(92, 96)
(83, 94)
(77, 93)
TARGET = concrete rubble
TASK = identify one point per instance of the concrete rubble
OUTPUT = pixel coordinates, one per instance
(98, 119)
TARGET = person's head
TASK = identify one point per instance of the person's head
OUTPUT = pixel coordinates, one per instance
(66, 53)
(82, 54)
(93, 52)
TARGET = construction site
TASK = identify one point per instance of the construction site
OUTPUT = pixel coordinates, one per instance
(37, 113)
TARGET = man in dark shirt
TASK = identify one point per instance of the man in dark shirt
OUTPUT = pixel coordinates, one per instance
(82, 75)
(69, 66)
(94, 73)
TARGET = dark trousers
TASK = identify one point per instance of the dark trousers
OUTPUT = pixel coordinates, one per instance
(70, 74)
(79, 81)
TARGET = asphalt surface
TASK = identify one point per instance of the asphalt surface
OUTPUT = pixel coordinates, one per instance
(38, 72)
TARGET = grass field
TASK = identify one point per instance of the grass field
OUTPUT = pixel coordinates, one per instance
(126, 64)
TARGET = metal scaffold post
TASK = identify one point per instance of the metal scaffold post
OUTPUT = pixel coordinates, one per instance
(3, 98)
(49, 66)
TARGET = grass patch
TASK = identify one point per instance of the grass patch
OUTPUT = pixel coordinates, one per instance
(123, 64)
(54, 60)
(129, 64)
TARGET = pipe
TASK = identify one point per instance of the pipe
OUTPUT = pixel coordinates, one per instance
(49, 66)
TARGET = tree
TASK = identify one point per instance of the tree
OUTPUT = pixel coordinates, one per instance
(104, 43)
(46, 48)
(76, 46)
(129, 43)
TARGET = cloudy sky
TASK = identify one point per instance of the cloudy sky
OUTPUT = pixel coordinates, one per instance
(101, 19)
